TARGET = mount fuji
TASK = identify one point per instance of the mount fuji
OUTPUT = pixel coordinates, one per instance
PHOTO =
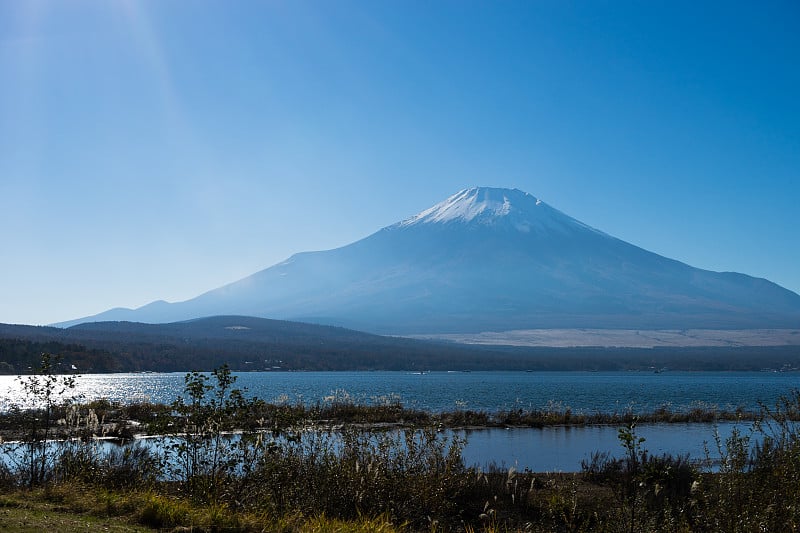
(488, 259)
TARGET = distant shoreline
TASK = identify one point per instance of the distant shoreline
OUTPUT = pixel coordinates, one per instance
(253, 344)
(625, 338)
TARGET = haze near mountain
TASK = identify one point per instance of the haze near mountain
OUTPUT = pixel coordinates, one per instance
(489, 259)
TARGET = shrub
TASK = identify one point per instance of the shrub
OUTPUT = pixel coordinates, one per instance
(202, 456)
(652, 490)
(45, 391)
(405, 475)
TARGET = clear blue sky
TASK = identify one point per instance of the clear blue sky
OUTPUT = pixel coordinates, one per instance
(155, 150)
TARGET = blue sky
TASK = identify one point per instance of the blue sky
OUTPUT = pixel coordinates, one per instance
(155, 150)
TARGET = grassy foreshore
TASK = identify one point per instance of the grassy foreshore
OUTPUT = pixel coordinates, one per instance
(350, 474)
(127, 420)
(382, 480)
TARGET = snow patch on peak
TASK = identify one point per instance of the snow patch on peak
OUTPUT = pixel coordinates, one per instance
(506, 209)
(483, 203)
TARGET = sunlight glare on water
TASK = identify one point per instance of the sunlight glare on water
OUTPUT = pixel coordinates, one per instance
(587, 392)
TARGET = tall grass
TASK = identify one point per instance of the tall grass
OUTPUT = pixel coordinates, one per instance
(286, 471)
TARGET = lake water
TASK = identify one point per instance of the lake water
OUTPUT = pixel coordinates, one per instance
(588, 392)
(561, 449)
(547, 449)
(550, 449)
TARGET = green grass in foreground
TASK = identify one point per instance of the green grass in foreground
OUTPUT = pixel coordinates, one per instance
(280, 477)
(25, 512)
(70, 507)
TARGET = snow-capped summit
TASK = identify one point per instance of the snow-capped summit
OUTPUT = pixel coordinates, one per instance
(489, 259)
(481, 203)
(500, 209)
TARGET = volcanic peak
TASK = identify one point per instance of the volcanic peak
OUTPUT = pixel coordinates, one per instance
(501, 209)
(482, 204)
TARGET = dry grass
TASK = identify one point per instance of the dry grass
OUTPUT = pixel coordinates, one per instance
(33, 512)
(358, 479)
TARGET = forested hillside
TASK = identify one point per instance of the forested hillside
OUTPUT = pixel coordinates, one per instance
(256, 344)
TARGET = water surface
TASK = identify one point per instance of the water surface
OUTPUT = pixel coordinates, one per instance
(588, 392)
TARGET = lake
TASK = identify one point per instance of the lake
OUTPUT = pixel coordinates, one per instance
(561, 449)
(589, 392)
(547, 449)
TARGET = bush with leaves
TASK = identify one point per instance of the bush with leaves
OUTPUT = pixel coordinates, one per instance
(202, 453)
(46, 393)
(757, 486)
(653, 491)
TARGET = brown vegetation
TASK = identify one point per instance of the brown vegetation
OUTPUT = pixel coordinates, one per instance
(286, 470)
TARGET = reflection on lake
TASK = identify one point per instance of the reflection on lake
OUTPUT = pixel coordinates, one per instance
(551, 449)
(561, 449)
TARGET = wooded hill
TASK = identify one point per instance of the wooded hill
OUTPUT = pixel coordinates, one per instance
(247, 343)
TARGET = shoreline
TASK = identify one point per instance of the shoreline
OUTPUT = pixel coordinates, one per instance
(116, 420)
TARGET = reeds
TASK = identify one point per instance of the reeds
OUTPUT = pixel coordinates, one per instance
(341, 466)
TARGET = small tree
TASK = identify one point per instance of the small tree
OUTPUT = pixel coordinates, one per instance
(635, 456)
(204, 457)
(45, 391)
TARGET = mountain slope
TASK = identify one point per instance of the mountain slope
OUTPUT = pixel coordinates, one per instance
(490, 259)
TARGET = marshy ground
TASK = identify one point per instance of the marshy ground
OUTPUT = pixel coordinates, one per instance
(350, 474)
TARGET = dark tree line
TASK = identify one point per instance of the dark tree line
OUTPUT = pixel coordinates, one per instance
(246, 343)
